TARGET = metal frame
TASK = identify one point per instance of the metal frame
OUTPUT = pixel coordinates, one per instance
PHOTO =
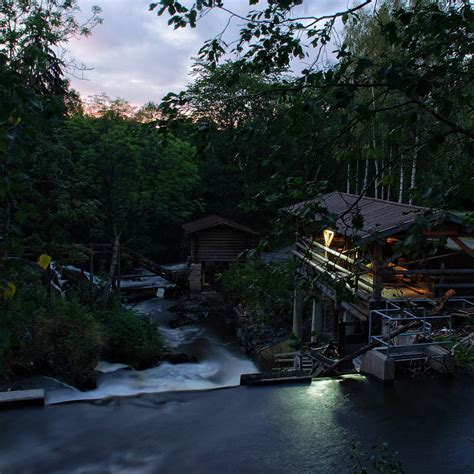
(393, 313)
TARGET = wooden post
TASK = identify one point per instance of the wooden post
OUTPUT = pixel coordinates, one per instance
(316, 320)
(335, 321)
(377, 263)
(298, 313)
(194, 248)
(195, 278)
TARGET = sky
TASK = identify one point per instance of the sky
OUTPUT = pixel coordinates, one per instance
(134, 55)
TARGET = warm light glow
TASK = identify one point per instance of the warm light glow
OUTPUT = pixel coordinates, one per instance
(328, 236)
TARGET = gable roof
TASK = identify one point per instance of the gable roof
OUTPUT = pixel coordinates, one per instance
(380, 218)
(213, 221)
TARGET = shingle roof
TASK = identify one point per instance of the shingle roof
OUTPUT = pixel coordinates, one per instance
(380, 218)
(213, 221)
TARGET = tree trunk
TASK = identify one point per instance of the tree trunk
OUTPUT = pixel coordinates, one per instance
(400, 194)
(389, 172)
(348, 182)
(113, 265)
(413, 178)
(357, 177)
(374, 147)
(7, 228)
(413, 165)
(376, 180)
(366, 175)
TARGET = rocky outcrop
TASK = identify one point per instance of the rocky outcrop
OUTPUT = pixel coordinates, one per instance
(180, 358)
(254, 333)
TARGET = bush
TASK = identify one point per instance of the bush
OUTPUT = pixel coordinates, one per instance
(65, 338)
(264, 288)
(59, 338)
(130, 338)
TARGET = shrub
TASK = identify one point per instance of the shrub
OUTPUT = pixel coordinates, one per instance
(264, 288)
(130, 338)
(64, 338)
(59, 338)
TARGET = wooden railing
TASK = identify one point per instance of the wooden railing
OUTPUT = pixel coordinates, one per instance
(315, 255)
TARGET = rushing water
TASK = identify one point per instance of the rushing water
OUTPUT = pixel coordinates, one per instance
(220, 363)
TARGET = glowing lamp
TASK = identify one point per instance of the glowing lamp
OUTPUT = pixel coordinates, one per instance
(328, 236)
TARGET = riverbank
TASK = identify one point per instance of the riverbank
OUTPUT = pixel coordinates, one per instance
(253, 333)
(265, 429)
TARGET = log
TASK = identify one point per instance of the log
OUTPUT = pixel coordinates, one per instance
(439, 307)
(148, 264)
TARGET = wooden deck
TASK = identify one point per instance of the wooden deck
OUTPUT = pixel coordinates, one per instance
(21, 398)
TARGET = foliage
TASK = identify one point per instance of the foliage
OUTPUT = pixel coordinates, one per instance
(129, 337)
(65, 338)
(60, 338)
(390, 116)
(398, 97)
(463, 354)
(266, 288)
(380, 460)
(33, 97)
(125, 179)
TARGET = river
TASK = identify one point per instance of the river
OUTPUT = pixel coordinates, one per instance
(220, 362)
(286, 429)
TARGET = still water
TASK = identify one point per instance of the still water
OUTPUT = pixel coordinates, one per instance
(289, 429)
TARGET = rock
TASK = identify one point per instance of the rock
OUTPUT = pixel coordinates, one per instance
(181, 358)
(178, 322)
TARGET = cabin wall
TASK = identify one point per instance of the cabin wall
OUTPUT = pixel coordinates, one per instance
(219, 244)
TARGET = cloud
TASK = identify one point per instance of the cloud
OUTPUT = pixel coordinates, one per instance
(136, 56)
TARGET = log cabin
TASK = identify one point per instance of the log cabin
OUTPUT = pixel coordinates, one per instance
(216, 241)
(372, 257)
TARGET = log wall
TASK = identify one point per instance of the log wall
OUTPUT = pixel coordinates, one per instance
(219, 244)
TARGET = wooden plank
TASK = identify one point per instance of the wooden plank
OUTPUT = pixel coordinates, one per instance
(455, 285)
(21, 398)
(320, 269)
(440, 233)
(331, 251)
(270, 378)
(463, 246)
(434, 271)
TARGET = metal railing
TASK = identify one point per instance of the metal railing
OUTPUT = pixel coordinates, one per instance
(392, 315)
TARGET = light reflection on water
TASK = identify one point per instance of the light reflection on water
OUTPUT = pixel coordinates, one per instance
(284, 429)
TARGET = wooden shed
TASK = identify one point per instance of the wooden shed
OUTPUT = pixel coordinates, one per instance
(218, 240)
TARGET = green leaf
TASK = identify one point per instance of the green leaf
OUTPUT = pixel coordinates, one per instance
(10, 291)
(44, 260)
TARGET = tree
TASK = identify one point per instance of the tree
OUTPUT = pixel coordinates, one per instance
(418, 75)
(33, 99)
(128, 173)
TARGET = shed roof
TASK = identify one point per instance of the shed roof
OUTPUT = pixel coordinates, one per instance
(380, 218)
(214, 221)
